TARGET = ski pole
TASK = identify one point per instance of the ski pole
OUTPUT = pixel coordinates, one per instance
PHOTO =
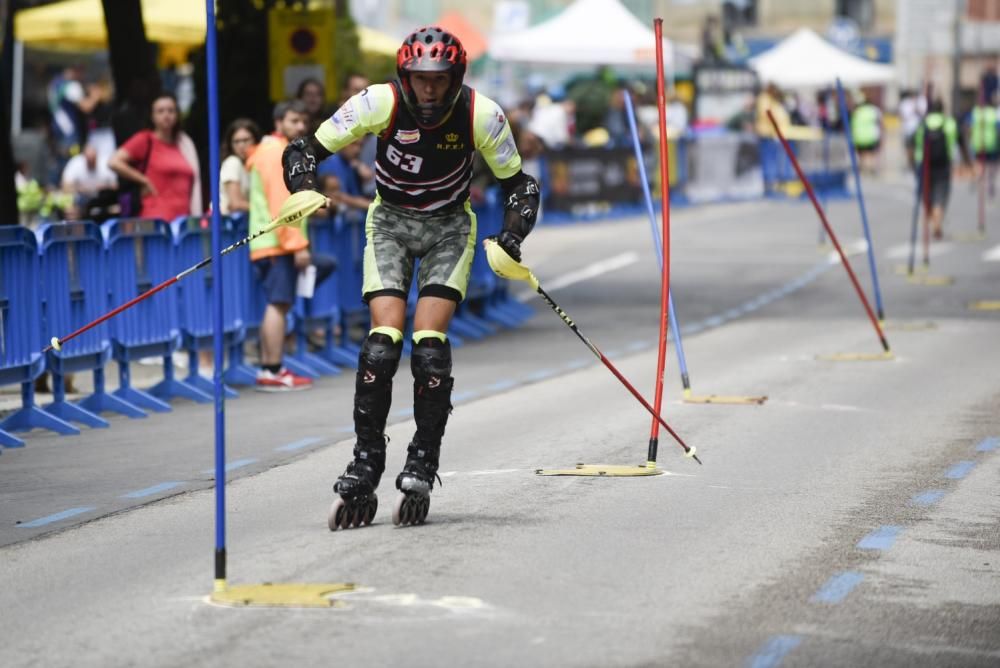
(295, 208)
(505, 266)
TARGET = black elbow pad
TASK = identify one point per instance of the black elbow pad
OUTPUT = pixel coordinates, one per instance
(521, 206)
(298, 161)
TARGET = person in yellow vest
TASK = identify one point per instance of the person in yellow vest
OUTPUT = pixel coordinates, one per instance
(278, 256)
(937, 142)
(866, 132)
(982, 133)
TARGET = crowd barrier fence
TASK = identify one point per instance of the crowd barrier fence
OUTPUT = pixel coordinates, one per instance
(64, 275)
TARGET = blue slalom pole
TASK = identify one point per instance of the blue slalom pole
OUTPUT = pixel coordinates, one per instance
(212, 77)
(672, 316)
(861, 198)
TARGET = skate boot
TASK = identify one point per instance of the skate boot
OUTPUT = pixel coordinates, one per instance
(357, 501)
(415, 483)
(432, 385)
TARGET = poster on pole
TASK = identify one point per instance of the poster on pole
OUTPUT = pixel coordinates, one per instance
(301, 47)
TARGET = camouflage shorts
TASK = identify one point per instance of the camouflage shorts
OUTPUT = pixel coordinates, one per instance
(396, 237)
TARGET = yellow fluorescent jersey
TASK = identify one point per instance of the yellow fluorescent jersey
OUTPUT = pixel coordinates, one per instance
(424, 168)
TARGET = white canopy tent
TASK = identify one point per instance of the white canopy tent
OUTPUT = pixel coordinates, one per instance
(588, 32)
(806, 60)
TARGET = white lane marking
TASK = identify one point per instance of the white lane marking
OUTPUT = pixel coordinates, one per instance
(852, 248)
(992, 255)
(586, 273)
(900, 251)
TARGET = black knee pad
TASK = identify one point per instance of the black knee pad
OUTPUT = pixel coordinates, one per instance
(378, 361)
(430, 363)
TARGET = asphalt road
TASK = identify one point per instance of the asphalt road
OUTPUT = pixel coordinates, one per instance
(851, 520)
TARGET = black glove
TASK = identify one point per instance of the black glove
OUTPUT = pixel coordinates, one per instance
(510, 243)
(299, 166)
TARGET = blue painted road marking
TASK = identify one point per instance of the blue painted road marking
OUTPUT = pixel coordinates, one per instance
(774, 651)
(928, 498)
(838, 587)
(959, 470)
(989, 444)
(149, 491)
(49, 519)
(880, 539)
(303, 443)
(234, 464)
(502, 385)
(541, 374)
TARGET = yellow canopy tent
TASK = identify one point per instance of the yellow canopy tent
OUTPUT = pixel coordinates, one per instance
(79, 24)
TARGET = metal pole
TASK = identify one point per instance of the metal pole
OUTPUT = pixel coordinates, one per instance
(212, 77)
(861, 200)
(17, 89)
(654, 228)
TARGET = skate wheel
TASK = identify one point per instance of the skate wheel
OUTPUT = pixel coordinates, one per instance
(335, 517)
(372, 508)
(424, 508)
(347, 515)
(400, 510)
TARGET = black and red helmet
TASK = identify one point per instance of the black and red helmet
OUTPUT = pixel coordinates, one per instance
(431, 49)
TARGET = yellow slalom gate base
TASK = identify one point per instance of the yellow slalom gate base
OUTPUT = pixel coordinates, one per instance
(857, 357)
(270, 595)
(968, 237)
(898, 326)
(985, 305)
(904, 270)
(606, 470)
(723, 399)
(930, 279)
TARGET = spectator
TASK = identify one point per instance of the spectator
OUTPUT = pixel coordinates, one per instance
(912, 108)
(70, 104)
(85, 177)
(981, 131)
(937, 139)
(770, 99)
(280, 255)
(164, 162)
(312, 94)
(616, 120)
(242, 136)
(552, 119)
(866, 131)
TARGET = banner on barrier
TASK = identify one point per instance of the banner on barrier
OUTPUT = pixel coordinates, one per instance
(582, 180)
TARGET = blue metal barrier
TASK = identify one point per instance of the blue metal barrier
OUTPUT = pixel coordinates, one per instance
(21, 341)
(246, 293)
(193, 242)
(140, 255)
(320, 310)
(74, 292)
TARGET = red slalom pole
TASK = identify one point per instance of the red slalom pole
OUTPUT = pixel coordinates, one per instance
(661, 356)
(829, 231)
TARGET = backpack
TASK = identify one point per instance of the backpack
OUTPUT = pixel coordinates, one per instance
(936, 146)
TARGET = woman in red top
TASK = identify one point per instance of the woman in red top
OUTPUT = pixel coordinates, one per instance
(164, 161)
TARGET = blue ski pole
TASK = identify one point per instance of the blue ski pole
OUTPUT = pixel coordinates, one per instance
(861, 198)
(672, 316)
